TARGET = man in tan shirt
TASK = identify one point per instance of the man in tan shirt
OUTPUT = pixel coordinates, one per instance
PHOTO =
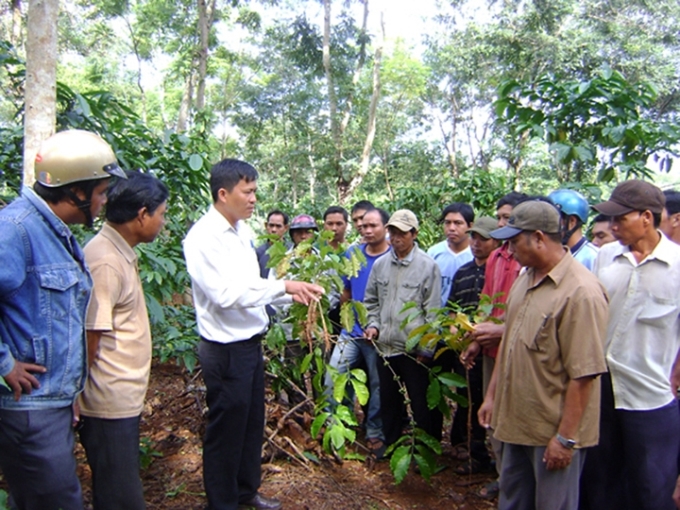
(541, 401)
(119, 342)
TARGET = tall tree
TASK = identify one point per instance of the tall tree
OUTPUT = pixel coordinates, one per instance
(41, 79)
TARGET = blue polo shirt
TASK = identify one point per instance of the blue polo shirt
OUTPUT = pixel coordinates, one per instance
(357, 285)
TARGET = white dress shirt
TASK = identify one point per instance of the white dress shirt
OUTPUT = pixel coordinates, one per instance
(229, 294)
(643, 335)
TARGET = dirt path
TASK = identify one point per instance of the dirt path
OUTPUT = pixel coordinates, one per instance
(172, 427)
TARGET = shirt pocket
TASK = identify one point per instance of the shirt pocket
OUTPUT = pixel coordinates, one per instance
(57, 286)
(410, 292)
(543, 334)
(382, 289)
(658, 312)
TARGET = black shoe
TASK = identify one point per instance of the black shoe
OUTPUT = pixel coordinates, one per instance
(260, 502)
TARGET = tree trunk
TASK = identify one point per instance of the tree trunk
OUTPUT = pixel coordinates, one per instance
(386, 166)
(185, 106)
(332, 98)
(372, 114)
(15, 34)
(205, 20)
(453, 156)
(357, 73)
(41, 80)
(312, 169)
(138, 57)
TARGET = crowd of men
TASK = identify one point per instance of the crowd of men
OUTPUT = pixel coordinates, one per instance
(573, 378)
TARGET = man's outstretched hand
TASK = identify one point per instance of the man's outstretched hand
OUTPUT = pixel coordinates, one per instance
(303, 292)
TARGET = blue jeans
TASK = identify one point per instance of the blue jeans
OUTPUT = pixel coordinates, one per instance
(345, 355)
(112, 448)
(36, 456)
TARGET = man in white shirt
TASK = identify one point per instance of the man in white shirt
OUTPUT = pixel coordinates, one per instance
(230, 298)
(454, 251)
(635, 464)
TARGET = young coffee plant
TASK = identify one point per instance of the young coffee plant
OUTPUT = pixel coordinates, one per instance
(448, 331)
(302, 340)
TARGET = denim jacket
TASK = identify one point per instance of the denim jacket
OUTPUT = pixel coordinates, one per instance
(44, 291)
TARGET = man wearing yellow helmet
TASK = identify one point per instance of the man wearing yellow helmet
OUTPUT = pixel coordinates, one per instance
(44, 290)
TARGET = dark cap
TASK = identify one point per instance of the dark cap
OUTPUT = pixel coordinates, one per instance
(633, 195)
(529, 216)
(483, 226)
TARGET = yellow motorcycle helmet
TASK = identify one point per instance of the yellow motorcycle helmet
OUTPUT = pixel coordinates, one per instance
(75, 156)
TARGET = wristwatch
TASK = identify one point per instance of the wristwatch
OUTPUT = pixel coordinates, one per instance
(567, 443)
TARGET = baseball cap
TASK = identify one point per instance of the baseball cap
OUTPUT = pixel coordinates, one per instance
(483, 226)
(529, 216)
(633, 195)
(404, 220)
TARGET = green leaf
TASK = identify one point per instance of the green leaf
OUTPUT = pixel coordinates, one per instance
(195, 162)
(361, 312)
(459, 399)
(562, 151)
(276, 337)
(339, 384)
(326, 442)
(337, 434)
(361, 391)
(318, 422)
(400, 462)
(452, 380)
(306, 361)
(425, 468)
(156, 314)
(408, 306)
(355, 456)
(412, 342)
(311, 456)
(347, 316)
(583, 153)
(84, 105)
(359, 375)
(428, 454)
(434, 394)
(343, 413)
(350, 435)
(428, 440)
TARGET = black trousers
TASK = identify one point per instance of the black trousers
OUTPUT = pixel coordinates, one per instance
(232, 447)
(415, 377)
(112, 448)
(459, 430)
(634, 466)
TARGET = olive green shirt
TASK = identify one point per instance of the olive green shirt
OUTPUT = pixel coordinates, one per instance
(555, 332)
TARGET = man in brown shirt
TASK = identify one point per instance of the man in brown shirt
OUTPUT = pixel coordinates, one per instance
(119, 342)
(541, 401)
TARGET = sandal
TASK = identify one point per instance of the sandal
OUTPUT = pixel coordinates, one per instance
(489, 491)
(376, 446)
(460, 452)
